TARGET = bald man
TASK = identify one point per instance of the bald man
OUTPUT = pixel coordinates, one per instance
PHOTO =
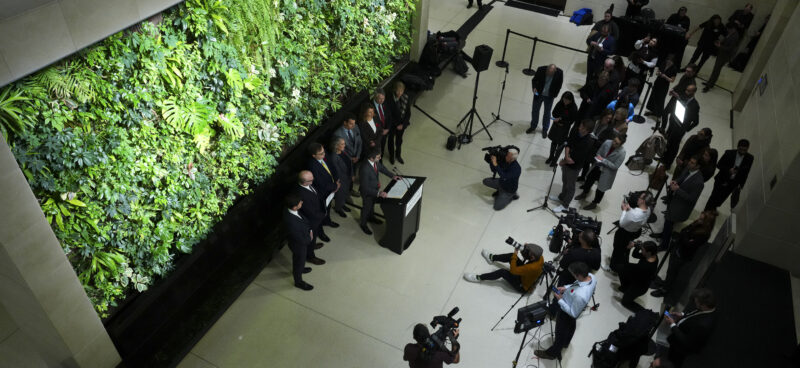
(313, 209)
(546, 84)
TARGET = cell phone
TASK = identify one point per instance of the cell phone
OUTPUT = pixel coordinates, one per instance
(555, 290)
(666, 313)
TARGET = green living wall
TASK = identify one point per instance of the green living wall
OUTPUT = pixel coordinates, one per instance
(138, 145)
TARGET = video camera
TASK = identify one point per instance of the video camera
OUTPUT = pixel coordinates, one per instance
(497, 151)
(579, 223)
(445, 332)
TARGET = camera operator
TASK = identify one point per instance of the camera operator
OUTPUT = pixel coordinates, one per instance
(523, 271)
(631, 222)
(587, 251)
(506, 185)
(572, 300)
(420, 355)
(635, 278)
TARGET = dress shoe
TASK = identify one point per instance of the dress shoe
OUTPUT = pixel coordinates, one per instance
(306, 269)
(515, 197)
(706, 89)
(332, 224)
(581, 196)
(543, 354)
(400, 160)
(590, 206)
(316, 260)
(544, 134)
(549, 160)
(341, 213)
(495, 193)
(530, 130)
(303, 286)
(659, 293)
(324, 238)
(366, 230)
(319, 246)
(469, 5)
(346, 209)
(391, 160)
(355, 193)
(375, 220)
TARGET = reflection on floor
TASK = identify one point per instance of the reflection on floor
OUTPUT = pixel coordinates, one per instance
(367, 299)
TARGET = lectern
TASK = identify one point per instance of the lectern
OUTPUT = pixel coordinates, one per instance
(402, 210)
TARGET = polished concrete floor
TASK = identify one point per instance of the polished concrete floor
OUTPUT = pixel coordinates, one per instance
(367, 299)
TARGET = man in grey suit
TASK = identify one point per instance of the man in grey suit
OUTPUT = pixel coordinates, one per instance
(352, 142)
(371, 187)
(682, 195)
(344, 167)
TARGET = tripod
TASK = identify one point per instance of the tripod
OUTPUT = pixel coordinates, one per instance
(469, 118)
(500, 104)
(544, 205)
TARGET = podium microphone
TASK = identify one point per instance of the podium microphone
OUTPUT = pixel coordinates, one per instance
(402, 177)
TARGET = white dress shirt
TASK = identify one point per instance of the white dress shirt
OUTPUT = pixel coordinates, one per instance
(633, 219)
(577, 296)
(372, 125)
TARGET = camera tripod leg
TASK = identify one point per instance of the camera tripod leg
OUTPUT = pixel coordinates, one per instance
(509, 309)
(521, 345)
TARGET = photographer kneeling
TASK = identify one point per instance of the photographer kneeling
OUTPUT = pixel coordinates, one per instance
(423, 355)
(523, 271)
(506, 185)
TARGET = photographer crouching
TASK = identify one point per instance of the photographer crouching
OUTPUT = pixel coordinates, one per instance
(503, 163)
(431, 350)
(525, 266)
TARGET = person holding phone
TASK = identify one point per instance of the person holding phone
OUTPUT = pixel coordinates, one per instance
(635, 278)
(691, 330)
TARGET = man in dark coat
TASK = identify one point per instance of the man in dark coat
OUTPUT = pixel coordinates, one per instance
(326, 179)
(734, 167)
(579, 148)
(601, 46)
(382, 115)
(301, 239)
(313, 206)
(344, 168)
(371, 187)
(690, 331)
(399, 105)
(682, 196)
(546, 85)
(742, 18)
(725, 51)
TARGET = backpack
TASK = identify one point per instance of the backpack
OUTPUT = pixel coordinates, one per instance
(653, 146)
(579, 16)
(629, 341)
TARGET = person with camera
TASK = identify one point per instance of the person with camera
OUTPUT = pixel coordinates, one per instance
(572, 300)
(691, 330)
(507, 183)
(689, 240)
(631, 222)
(635, 278)
(525, 267)
(424, 355)
(578, 150)
(586, 251)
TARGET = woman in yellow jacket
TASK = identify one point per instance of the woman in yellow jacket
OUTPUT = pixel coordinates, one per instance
(523, 272)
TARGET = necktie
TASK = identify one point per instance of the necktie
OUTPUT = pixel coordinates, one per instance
(380, 112)
(326, 168)
(350, 135)
(375, 167)
(312, 189)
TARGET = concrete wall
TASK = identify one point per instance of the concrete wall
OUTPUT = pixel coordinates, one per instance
(46, 315)
(698, 10)
(767, 212)
(37, 33)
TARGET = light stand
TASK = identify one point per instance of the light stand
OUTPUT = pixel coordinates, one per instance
(469, 118)
(544, 205)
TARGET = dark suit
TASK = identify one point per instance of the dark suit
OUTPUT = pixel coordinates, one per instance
(681, 202)
(383, 118)
(313, 209)
(677, 129)
(300, 242)
(597, 57)
(371, 139)
(353, 143)
(370, 187)
(538, 82)
(324, 181)
(724, 183)
(344, 168)
(400, 116)
(690, 335)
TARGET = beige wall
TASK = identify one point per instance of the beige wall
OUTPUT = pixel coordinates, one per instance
(698, 10)
(420, 32)
(767, 215)
(43, 303)
(36, 33)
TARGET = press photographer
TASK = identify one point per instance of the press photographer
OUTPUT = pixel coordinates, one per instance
(503, 163)
(587, 251)
(525, 266)
(431, 350)
(635, 212)
(572, 300)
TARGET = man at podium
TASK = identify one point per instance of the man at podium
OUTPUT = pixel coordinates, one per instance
(371, 187)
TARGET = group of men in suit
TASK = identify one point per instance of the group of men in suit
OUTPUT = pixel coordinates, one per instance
(327, 180)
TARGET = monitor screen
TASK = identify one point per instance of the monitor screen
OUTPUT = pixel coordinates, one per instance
(680, 111)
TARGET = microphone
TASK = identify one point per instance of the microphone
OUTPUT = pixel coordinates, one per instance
(402, 177)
